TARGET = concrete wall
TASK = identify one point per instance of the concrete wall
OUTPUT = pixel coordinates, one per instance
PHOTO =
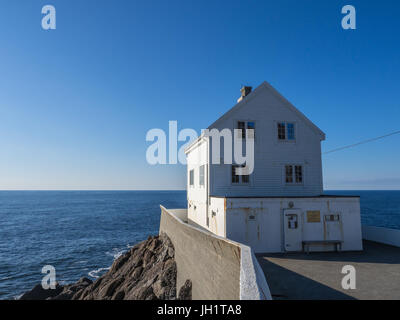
(265, 231)
(382, 235)
(213, 264)
(253, 285)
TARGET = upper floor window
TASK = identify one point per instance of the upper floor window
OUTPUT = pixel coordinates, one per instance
(289, 174)
(201, 175)
(298, 174)
(286, 131)
(290, 131)
(243, 125)
(293, 174)
(281, 131)
(239, 178)
(191, 178)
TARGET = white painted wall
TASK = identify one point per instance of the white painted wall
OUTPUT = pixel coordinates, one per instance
(382, 235)
(266, 108)
(217, 216)
(266, 233)
(197, 195)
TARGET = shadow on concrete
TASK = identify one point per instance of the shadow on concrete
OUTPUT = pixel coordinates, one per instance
(288, 285)
(373, 253)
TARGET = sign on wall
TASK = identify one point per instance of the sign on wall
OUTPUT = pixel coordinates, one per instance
(313, 216)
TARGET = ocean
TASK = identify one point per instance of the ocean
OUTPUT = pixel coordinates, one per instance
(80, 233)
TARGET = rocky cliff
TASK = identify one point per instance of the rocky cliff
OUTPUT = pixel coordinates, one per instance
(146, 272)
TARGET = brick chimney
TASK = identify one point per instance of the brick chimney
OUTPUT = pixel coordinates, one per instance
(244, 92)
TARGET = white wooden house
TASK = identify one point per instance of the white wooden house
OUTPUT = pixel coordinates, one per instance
(280, 206)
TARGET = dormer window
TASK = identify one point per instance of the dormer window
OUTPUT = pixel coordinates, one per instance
(286, 131)
(243, 125)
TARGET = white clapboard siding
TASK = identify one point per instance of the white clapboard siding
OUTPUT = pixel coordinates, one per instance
(266, 108)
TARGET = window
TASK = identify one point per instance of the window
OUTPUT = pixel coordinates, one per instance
(201, 176)
(281, 131)
(239, 178)
(235, 177)
(251, 126)
(286, 131)
(191, 178)
(292, 221)
(243, 126)
(245, 179)
(290, 131)
(293, 174)
(332, 217)
(289, 174)
(298, 170)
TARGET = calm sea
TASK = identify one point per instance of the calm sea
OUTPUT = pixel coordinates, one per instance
(80, 233)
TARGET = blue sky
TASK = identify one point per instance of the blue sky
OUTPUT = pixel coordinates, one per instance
(76, 102)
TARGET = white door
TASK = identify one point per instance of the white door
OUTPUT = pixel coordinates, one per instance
(252, 230)
(333, 227)
(292, 230)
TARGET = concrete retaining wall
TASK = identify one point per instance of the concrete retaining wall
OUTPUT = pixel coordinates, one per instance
(253, 285)
(219, 269)
(382, 235)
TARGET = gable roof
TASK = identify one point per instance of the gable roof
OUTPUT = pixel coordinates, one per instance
(266, 86)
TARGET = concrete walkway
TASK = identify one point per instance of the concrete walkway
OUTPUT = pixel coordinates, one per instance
(318, 275)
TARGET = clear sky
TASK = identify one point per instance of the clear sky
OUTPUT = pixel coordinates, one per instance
(76, 102)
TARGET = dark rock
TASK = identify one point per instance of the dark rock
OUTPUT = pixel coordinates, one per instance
(68, 291)
(146, 272)
(185, 292)
(118, 295)
(38, 293)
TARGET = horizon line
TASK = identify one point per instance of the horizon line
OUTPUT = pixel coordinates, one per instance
(121, 190)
